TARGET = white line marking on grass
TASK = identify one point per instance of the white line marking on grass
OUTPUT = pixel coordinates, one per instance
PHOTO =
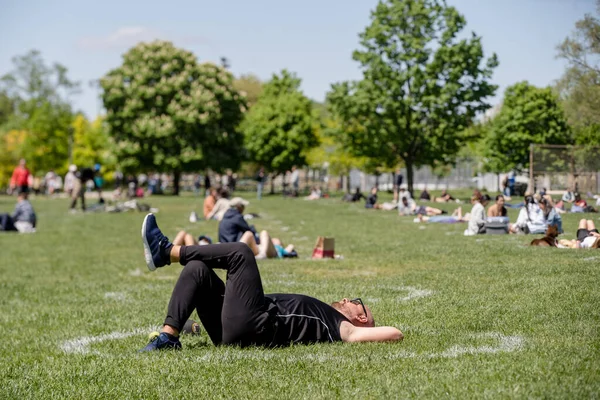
(301, 239)
(285, 228)
(119, 296)
(414, 293)
(505, 344)
(590, 258)
(364, 273)
(136, 272)
(81, 345)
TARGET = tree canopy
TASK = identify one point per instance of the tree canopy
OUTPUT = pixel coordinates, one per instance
(528, 115)
(249, 86)
(280, 128)
(167, 112)
(421, 85)
(36, 109)
(580, 85)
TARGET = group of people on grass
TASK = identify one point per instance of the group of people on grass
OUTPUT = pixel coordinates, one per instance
(233, 227)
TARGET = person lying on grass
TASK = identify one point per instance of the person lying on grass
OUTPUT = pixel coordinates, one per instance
(239, 313)
(184, 238)
(587, 237)
(407, 206)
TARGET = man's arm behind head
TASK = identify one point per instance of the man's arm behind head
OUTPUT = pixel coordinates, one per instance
(351, 333)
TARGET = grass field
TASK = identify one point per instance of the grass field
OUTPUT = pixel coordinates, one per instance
(483, 316)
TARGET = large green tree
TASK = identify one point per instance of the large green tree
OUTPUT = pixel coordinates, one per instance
(580, 85)
(39, 95)
(7, 108)
(280, 128)
(421, 85)
(331, 153)
(167, 112)
(250, 86)
(91, 143)
(528, 115)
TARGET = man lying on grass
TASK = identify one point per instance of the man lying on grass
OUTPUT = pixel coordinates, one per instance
(239, 313)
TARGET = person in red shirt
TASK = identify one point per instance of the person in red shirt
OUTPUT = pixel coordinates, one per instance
(20, 178)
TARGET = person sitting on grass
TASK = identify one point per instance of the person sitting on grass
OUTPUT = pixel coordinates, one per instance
(477, 219)
(425, 196)
(409, 207)
(221, 206)
(371, 201)
(531, 218)
(587, 237)
(497, 209)
(23, 219)
(403, 193)
(239, 313)
(551, 216)
(234, 228)
(568, 196)
(354, 197)
(580, 205)
(209, 202)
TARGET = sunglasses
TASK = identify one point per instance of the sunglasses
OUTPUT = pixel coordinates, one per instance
(358, 301)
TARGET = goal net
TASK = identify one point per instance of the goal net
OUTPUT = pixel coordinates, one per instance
(558, 168)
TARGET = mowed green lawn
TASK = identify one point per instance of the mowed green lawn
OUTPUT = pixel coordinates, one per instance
(483, 316)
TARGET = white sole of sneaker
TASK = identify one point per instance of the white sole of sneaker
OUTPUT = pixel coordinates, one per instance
(147, 252)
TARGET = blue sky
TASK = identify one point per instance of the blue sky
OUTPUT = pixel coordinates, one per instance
(313, 38)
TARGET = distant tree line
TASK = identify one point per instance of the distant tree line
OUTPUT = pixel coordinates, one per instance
(420, 102)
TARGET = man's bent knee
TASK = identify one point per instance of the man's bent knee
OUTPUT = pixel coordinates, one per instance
(195, 269)
(242, 249)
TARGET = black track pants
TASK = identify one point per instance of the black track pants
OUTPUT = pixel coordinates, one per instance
(232, 314)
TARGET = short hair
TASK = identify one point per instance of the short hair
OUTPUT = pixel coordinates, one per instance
(499, 197)
(485, 197)
(223, 193)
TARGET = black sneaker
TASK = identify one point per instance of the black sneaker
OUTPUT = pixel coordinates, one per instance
(163, 341)
(156, 245)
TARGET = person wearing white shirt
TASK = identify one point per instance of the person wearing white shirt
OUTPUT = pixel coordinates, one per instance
(531, 218)
(477, 220)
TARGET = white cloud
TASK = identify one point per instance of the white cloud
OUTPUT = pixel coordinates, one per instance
(128, 36)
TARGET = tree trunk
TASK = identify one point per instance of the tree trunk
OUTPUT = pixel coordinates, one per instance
(409, 176)
(176, 179)
(273, 183)
(348, 188)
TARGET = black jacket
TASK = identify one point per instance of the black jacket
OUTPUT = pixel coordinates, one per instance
(232, 226)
